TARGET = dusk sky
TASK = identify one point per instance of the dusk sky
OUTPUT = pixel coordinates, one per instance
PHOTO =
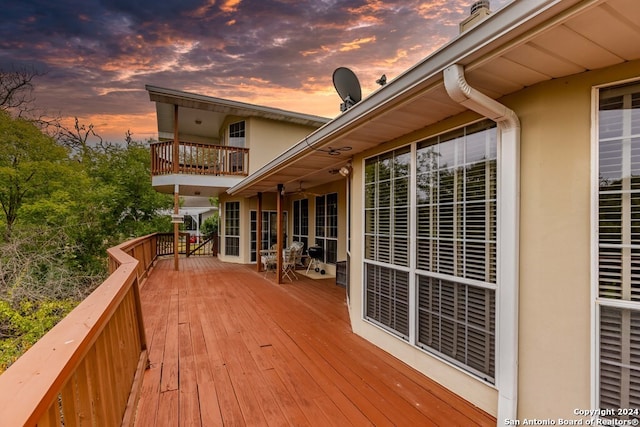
(97, 55)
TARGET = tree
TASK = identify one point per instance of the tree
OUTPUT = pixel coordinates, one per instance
(31, 163)
(16, 89)
(124, 173)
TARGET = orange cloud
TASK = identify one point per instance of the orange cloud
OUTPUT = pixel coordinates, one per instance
(356, 44)
(230, 6)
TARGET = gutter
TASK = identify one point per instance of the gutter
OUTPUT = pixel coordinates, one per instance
(507, 233)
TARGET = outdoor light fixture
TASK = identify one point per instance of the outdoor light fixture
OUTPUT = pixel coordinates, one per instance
(346, 169)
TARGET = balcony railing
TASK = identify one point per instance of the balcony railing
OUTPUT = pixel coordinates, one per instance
(88, 369)
(199, 159)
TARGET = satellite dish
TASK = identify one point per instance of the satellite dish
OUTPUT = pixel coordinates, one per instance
(348, 87)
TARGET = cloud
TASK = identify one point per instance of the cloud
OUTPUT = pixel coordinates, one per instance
(99, 54)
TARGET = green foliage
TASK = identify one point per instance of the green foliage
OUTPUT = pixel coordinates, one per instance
(24, 324)
(32, 165)
(210, 225)
(133, 204)
(61, 210)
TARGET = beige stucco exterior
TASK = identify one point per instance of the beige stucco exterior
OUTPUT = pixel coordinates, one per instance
(555, 329)
(555, 241)
(266, 138)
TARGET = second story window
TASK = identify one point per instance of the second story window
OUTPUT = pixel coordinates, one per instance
(236, 155)
(236, 134)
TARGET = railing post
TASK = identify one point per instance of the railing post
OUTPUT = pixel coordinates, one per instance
(176, 141)
(176, 228)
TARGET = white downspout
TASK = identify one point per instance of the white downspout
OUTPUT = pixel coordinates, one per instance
(507, 234)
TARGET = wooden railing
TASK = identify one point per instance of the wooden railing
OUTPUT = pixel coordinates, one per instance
(199, 159)
(208, 245)
(88, 369)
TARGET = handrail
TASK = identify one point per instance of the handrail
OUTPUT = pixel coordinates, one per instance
(199, 159)
(201, 248)
(88, 368)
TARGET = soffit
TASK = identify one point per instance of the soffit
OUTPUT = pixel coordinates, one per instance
(568, 37)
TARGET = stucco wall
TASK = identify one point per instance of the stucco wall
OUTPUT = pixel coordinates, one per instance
(555, 330)
(268, 138)
(555, 242)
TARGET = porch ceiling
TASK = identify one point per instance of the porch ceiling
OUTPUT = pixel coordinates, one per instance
(202, 116)
(517, 47)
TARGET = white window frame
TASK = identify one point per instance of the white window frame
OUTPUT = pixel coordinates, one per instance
(239, 219)
(260, 242)
(324, 215)
(238, 141)
(597, 301)
(501, 257)
(298, 222)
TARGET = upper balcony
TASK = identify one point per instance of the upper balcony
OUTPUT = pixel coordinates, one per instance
(220, 344)
(213, 137)
(200, 169)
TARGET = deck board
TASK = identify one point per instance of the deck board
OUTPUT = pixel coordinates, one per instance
(229, 347)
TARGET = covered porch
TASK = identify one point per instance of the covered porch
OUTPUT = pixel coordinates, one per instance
(227, 346)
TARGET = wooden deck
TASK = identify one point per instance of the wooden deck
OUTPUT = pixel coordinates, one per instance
(228, 347)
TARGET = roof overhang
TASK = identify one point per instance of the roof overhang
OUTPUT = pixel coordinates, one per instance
(210, 112)
(520, 45)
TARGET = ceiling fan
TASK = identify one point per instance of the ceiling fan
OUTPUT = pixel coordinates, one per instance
(301, 191)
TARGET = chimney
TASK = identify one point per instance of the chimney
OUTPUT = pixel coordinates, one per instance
(479, 11)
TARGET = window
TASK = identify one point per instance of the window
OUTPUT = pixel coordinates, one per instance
(458, 323)
(236, 134)
(301, 221)
(254, 235)
(387, 207)
(387, 240)
(269, 230)
(454, 265)
(388, 298)
(456, 203)
(236, 139)
(327, 226)
(232, 228)
(619, 246)
(456, 246)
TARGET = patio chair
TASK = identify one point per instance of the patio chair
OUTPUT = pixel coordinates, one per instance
(300, 248)
(269, 261)
(289, 259)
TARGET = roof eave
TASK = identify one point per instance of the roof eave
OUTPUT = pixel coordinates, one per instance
(177, 97)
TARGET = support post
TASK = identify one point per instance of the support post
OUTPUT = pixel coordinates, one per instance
(259, 233)
(280, 234)
(176, 141)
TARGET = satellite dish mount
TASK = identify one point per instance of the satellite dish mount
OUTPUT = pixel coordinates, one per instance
(348, 87)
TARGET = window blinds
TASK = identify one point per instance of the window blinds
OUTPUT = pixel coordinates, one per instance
(619, 246)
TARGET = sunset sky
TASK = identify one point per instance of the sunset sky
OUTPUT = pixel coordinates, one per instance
(97, 55)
